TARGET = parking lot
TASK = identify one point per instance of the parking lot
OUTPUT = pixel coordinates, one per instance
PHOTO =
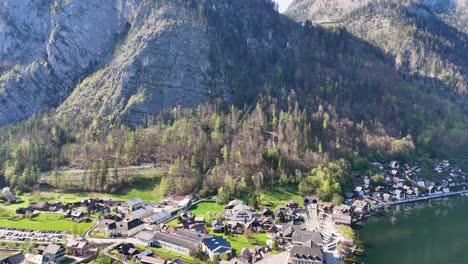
(15, 234)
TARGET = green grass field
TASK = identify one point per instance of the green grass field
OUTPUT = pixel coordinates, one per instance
(145, 194)
(279, 195)
(46, 222)
(208, 210)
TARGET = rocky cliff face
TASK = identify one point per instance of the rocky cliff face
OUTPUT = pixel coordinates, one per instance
(47, 46)
(129, 59)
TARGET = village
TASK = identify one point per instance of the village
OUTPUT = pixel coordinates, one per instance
(402, 183)
(138, 231)
(189, 229)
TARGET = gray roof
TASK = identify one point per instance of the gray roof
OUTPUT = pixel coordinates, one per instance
(15, 259)
(129, 225)
(177, 240)
(190, 234)
(53, 249)
(288, 228)
(145, 235)
(144, 254)
(302, 252)
(134, 201)
(301, 236)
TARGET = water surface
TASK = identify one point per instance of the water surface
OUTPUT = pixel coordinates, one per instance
(431, 232)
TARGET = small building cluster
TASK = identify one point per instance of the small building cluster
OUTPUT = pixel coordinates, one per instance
(401, 182)
(53, 253)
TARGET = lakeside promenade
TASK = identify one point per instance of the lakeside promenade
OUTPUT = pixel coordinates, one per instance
(425, 198)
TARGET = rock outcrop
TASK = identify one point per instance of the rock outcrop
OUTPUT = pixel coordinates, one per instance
(129, 59)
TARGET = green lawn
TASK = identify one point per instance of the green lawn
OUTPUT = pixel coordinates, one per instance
(279, 195)
(144, 194)
(47, 222)
(97, 234)
(208, 210)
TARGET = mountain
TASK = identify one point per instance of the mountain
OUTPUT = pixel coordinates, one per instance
(129, 59)
(426, 39)
(214, 91)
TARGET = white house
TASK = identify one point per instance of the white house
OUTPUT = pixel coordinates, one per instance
(134, 204)
(240, 212)
(215, 246)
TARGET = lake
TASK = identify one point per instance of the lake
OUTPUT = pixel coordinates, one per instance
(430, 232)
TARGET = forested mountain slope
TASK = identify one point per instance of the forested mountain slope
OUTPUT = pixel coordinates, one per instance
(216, 92)
(426, 40)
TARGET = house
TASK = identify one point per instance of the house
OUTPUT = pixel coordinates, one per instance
(394, 164)
(305, 255)
(360, 207)
(134, 204)
(36, 259)
(262, 252)
(158, 217)
(217, 226)
(56, 206)
(54, 252)
(176, 243)
(11, 199)
(147, 238)
(17, 258)
(366, 180)
(106, 226)
(240, 212)
(245, 256)
(77, 216)
(23, 211)
(342, 209)
(127, 249)
(266, 213)
(301, 236)
(192, 235)
(387, 197)
(267, 222)
(431, 189)
(233, 203)
(142, 212)
(185, 203)
(288, 229)
(281, 213)
(341, 219)
(215, 246)
(197, 227)
(77, 247)
(236, 227)
(399, 194)
(40, 206)
(145, 253)
(326, 208)
(129, 228)
(292, 205)
(359, 191)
